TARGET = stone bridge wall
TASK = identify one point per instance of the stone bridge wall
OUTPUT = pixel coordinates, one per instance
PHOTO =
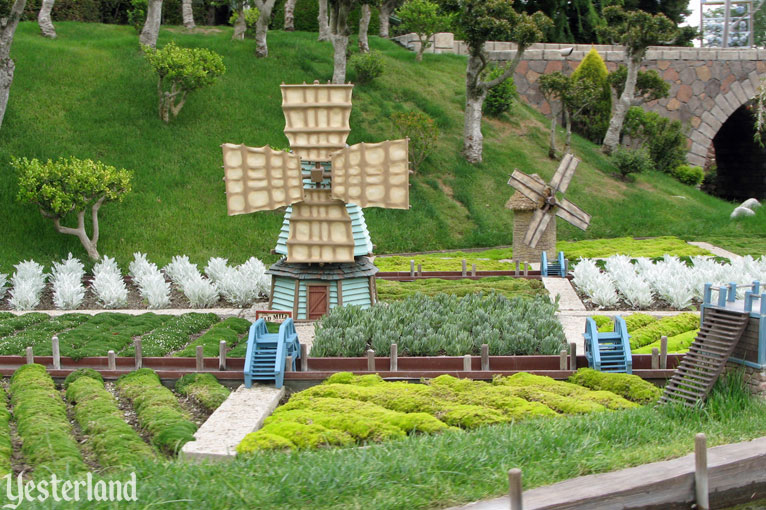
(706, 84)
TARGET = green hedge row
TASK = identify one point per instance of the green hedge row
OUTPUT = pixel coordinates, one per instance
(204, 388)
(630, 387)
(667, 326)
(6, 448)
(633, 321)
(42, 424)
(676, 344)
(157, 410)
(114, 441)
(230, 330)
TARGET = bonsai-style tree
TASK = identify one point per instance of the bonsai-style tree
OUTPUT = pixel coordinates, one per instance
(385, 9)
(44, 19)
(479, 21)
(243, 18)
(636, 31)
(339, 32)
(180, 71)
(649, 85)
(554, 87)
(10, 14)
(151, 30)
(71, 186)
(423, 18)
(574, 96)
(262, 26)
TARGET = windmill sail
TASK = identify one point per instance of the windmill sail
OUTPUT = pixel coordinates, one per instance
(537, 226)
(320, 230)
(566, 210)
(528, 186)
(372, 174)
(260, 178)
(564, 173)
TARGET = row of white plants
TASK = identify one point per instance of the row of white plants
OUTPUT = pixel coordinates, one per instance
(642, 283)
(239, 285)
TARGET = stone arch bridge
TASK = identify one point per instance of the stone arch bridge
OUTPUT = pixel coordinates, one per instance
(707, 85)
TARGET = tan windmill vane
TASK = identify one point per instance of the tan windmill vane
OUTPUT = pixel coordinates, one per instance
(548, 205)
(320, 177)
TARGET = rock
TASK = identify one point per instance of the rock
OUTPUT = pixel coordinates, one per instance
(751, 203)
(741, 211)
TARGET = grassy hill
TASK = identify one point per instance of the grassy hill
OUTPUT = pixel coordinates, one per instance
(90, 94)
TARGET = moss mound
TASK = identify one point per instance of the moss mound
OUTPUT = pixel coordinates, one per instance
(667, 326)
(204, 388)
(630, 387)
(82, 372)
(676, 344)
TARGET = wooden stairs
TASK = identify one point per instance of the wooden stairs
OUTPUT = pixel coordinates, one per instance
(694, 377)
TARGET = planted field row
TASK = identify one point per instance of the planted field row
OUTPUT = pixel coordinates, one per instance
(646, 331)
(507, 286)
(353, 410)
(82, 335)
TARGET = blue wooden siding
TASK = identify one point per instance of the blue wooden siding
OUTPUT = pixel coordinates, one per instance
(284, 288)
(356, 291)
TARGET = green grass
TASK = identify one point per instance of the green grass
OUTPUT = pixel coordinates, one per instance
(89, 94)
(434, 471)
(508, 287)
(751, 245)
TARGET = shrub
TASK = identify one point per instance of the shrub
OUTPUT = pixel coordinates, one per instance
(443, 324)
(662, 137)
(204, 388)
(632, 161)
(424, 19)
(28, 284)
(157, 410)
(499, 97)
(367, 66)
(180, 71)
(108, 284)
(151, 283)
(691, 175)
(593, 121)
(251, 18)
(137, 13)
(70, 186)
(422, 132)
(240, 285)
(631, 387)
(66, 277)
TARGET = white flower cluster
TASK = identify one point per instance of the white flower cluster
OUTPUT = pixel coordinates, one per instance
(108, 284)
(28, 284)
(150, 281)
(200, 291)
(240, 285)
(3, 284)
(670, 279)
(66, 277)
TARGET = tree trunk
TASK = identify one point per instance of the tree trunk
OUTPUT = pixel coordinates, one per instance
(262, 27)
(384, 12)
(324, 24)
(290, 15)
(568, 122)
(552, 142)
(340, 45)
(473, 140)
(422, 48)
(7, 31)
(151, 30)
(612, 138)
(364, 25)
(240, 26)
(44, 19)
(188, 14)
(88, 243)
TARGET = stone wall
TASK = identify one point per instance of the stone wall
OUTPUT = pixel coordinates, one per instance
(706, 84)
(754, 378)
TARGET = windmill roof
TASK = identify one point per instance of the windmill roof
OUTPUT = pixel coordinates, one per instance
(360, 268)
(519, 202)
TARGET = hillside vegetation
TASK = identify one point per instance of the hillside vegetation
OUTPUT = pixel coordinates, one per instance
(90, 94)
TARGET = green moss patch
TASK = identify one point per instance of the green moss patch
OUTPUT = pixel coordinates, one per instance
(231, 330)
(667, 326)
(633, 321)
(677, 344)
(174, 334)
(509, 287)
(6, 448)
(204, 388)
(348, 409)
(13, 323)
(630, 387)
(449, 261)
(157, 410)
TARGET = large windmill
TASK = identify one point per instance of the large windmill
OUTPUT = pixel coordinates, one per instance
(541, 199)
(324, 184)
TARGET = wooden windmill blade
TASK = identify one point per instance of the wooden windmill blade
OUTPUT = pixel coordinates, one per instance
(527, 186)
(537, 226)
(260, 178)
(564, 173)
(373, 174)
(566, 210)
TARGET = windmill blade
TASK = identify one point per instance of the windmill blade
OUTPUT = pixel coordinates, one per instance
(537, 226)
(527, 186)
(260, 178)
(564, 173)
(567, 211)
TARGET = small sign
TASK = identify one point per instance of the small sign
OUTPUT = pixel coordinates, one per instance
(278, 316)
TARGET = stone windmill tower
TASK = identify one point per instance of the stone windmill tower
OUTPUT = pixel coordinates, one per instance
(324, 184)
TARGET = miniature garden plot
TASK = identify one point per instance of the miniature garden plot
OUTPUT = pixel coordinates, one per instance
(443, 325)
(509, 287)
(646, 331)
(349, 410)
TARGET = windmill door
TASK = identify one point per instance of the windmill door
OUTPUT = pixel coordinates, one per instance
(319, 301)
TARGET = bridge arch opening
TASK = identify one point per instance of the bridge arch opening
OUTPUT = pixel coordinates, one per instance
(741, 161)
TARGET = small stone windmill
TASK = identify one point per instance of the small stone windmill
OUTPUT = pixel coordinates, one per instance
(535, 203)
(324, 184)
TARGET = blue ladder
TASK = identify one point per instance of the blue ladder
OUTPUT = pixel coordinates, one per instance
(610, 351)
(267, 352)
(559, 268)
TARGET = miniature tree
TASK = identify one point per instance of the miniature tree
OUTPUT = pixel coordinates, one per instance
(553, 87)
(339, 32)
(423, 18)
(593, 121)
(422, 132)
(187, 14)
(649, 85)
(71, 186)
(262, 26)
(477, 22)
(10, 14)
(243, 18)
(574, 96)
(636, 30)
(151, 30)
(364, 27)
(180, 71)
(44, 19)
(385, 9)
